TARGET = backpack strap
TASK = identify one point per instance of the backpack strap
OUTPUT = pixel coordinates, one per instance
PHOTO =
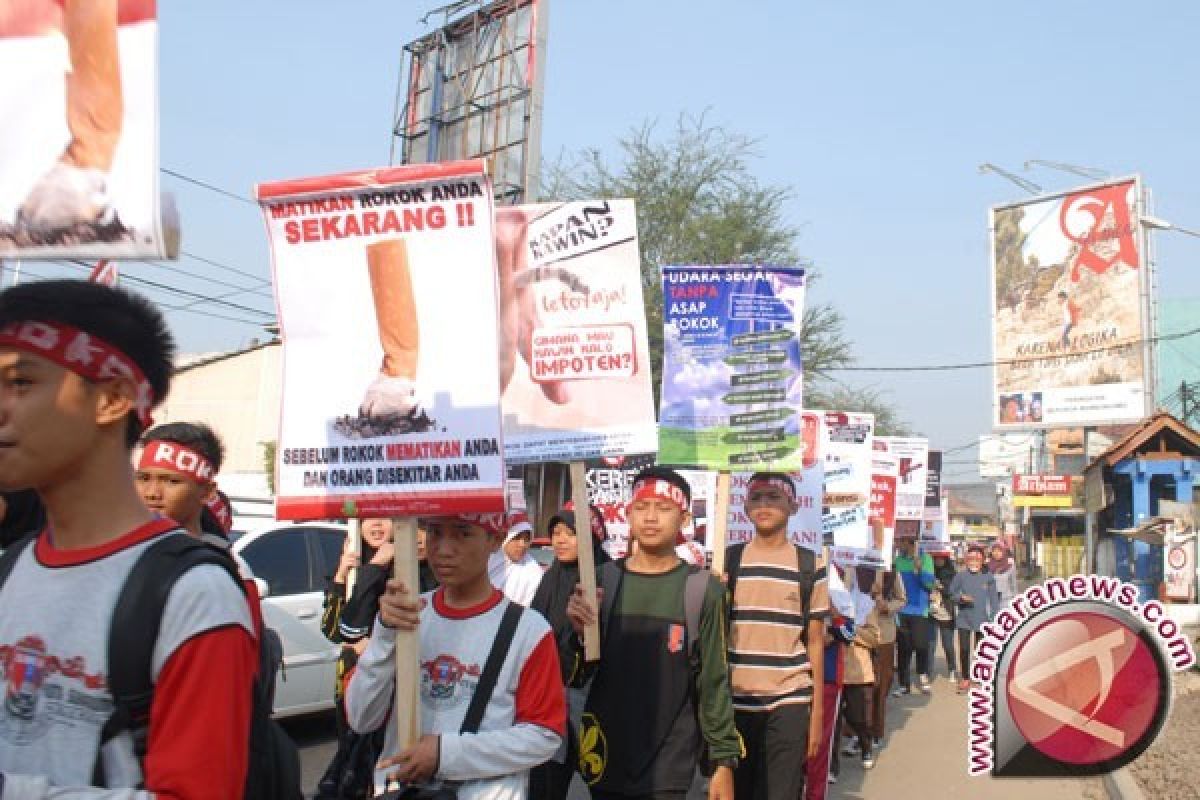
(9, 558)
(694, 591)
(610, 581)
(806, 562)
(134, 630)
(733, 565)
(491, 668)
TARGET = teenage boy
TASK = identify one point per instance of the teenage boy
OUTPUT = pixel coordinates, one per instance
(656, 697)
(776, 645)
(525, 718)
(913, 623)
(81, 367)
(176, 471)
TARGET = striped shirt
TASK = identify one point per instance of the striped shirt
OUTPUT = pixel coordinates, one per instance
(767, 653)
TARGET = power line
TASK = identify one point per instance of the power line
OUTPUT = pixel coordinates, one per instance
(225, 267)
(256, 290)
(1010, 361)
(184, 292)
(205, 185)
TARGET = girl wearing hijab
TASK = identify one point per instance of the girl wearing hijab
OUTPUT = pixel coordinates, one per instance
(941, 610)
(551, 780)
(1000, 566)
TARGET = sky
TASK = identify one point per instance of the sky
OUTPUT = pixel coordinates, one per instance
(875, 115)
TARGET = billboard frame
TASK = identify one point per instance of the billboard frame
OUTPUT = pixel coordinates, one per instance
(1146, 300)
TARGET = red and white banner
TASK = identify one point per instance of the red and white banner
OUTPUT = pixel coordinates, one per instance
(847, 488)
(1042, 484)
(913, 456)
(386, 286)
(574, 357)
(79, 137)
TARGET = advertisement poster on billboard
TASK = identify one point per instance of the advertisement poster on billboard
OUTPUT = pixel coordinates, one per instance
(574, 359)
(911, 485)
(1068, 309)
(848, 470)
(732, 376)
(79, 143)
(379, 417)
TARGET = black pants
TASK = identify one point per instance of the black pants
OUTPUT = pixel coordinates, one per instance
(776, 742)
(967, 640)
(912, 637)
(945, 632)
(856, 711)
(552, 781)
(651, 796)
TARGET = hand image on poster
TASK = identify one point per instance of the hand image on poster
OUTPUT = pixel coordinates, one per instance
(732, 372)
(1068, 309)
(380, 417)
(574, 355)
(78, 148)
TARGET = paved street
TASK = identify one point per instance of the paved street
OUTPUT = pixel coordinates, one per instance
(314, 736)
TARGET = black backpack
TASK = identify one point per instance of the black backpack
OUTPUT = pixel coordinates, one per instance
(273, 764)
(808, 575)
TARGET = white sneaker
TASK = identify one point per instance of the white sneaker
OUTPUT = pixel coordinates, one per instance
(925, 687)
(66, 195)
(389, 397)
(868, 761)
(832, 778)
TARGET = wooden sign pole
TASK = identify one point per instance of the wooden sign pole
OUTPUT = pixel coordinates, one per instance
(587, 561)
(355, 547)
(408, 643)
(718, 527)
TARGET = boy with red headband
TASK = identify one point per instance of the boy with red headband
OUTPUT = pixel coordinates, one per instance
(176, 472)
(81, 366)
(525, 717)
(656, 698)
(779, 606)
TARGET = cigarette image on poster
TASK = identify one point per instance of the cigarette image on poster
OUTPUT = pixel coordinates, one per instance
(732, 374)
(574, 356)
(379, 416)
(1068, 284)
(79, 143)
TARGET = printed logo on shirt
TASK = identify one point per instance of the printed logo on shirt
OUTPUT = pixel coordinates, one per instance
(593, 750)
(41, 690)
(675, 634)
(447, 682)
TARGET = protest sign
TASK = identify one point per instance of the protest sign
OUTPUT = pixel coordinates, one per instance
(1070, 309)
(380, 415)
(847, 480)
(610, 483)
(732, 377)
(79, 142)
(933, 480)
(935, 532)
(574, 358)
(914, 465)
(885, 472)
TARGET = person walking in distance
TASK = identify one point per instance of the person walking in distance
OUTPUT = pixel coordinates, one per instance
(913, 631)
(1000, 565)
(941, 612)
(973, 593)
(779, 605)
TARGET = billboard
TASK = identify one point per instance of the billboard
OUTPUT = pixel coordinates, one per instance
(1069, 318)
(574, 358)
(386, 286)
(79, 139)
(473, 89)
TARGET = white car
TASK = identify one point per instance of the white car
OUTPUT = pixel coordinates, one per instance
(293, 561)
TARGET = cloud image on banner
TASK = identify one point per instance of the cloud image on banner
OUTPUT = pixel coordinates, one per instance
(575, 363)
(79, 141)
(1067, 309)
(386, 286)
(732, 376)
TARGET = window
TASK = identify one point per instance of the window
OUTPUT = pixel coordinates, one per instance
(281, 559)
(330, 543)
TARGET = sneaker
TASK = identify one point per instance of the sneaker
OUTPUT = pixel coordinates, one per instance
(850, 748)
(832, 778)
(925, 687)
(65, 196)
(389, 397)
(900, 691)
(868, 760)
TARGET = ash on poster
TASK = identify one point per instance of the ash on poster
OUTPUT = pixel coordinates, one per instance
(911, 485)
(79, 139)
(574, 359)
(379, 416)
(847, 483)
(1068, 314)
(732, 378)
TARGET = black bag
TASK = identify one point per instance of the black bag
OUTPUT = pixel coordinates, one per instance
(479, 703)
(273, 765)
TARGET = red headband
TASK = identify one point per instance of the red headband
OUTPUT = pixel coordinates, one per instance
(492, 523)
(82, 353)
(658, 489)
(175, 457)
(772, 483)
(218, 504)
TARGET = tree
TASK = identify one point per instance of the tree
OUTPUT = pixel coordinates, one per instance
(869, 400)
(699, 203)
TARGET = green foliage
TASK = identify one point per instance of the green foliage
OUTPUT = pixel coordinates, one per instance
(699, 203)
(864, 400)
(269, 464)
